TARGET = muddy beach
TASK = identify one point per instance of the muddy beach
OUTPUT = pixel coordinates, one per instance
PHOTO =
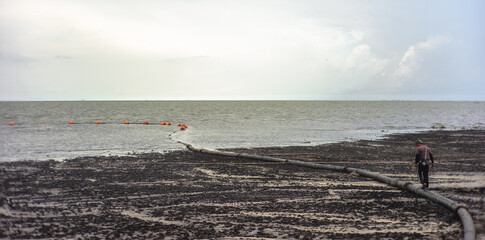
(187, 195)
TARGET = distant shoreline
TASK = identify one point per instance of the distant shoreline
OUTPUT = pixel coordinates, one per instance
(242, 100)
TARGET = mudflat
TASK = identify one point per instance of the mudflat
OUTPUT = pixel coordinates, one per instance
(188, 195)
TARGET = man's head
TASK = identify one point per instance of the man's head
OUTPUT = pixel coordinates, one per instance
(419, 142)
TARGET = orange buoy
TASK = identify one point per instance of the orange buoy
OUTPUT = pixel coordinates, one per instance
(127, 122)
(96, 122)
(182, 128)
(71, 122)
(42, 122)
(185, 126)
(179, 124)
(168, 124)
(163, 123)
(145, 123)
(12, 123)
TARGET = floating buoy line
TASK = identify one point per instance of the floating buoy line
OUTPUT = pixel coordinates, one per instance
(181, 125)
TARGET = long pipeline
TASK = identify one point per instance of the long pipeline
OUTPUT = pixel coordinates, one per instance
(460, 209)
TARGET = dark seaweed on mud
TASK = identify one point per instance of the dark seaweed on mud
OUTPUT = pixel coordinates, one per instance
(186, 195)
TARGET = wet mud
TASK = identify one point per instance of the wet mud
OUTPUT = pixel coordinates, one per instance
(187, 195)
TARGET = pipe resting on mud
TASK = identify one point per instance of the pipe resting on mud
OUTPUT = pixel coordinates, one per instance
(460, 209)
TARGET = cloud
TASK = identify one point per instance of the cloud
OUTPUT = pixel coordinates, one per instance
(413, 57)
(364, 62)
(15, 58)
(357, 70)
(63, 57)
(233, 49)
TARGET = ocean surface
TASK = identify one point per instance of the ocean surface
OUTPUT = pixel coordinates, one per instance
(212, 124)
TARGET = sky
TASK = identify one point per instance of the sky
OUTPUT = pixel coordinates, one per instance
(242, 50)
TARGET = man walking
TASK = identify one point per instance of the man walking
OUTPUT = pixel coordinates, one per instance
(423, 158)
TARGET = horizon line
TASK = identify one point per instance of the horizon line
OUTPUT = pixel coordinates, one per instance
(236, 100)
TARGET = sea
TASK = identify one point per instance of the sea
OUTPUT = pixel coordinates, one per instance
(66, 129)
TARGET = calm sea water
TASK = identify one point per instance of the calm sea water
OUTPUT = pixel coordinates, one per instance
(212, 124)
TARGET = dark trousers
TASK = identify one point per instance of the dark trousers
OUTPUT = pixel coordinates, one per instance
(423, 171)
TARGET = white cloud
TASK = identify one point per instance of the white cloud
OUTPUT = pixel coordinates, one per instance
(166, 29)
(221, 47)
(357, 35)
(364, 61)
(412, 58)
(359, 69)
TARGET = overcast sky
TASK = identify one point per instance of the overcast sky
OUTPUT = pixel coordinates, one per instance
(178, 50)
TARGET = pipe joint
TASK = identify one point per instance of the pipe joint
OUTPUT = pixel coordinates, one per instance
(405, 185)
